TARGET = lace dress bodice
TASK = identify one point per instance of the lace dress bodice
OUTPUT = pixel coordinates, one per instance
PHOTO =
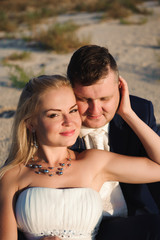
(71, 213)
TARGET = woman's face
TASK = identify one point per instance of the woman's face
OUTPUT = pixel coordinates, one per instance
(58, 121)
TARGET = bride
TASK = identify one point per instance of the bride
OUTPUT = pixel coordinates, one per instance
(49, 191)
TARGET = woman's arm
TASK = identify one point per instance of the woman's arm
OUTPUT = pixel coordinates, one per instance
(8, 226)
(130, 169)
(109, 166)
(149, 139)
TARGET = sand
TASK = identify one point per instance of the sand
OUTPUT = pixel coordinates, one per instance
(135, 47)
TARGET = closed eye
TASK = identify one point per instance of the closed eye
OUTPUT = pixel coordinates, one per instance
(105, 99)
(81, 99)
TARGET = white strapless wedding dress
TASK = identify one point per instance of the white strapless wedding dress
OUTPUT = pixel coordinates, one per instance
(71, 213)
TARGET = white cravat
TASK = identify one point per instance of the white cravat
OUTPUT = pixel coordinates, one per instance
(95, 138)
(113, 201)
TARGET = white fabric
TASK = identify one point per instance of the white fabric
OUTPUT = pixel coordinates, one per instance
(98, 139)
(113, 200)
(71, 213)
(90, 136)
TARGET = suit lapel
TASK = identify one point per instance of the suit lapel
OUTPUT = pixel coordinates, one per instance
(118, 135)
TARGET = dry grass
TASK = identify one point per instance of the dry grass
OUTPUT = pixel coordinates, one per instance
(141, 21)
(61, 38)
(20, 76)
(17, 56)
(14, 13)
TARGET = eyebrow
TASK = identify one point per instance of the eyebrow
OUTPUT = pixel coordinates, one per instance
(59, 110)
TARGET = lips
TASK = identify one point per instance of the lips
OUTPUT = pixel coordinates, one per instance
(94, 116)
(68, 133)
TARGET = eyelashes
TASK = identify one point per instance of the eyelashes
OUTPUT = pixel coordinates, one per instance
(55, 115)
(74, 110)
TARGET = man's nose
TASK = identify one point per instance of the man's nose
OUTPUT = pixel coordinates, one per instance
(94, 107)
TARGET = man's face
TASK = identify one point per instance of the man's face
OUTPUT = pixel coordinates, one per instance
(98, 103)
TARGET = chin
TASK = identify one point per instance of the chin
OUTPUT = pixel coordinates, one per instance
(95, 125)
(71, 142)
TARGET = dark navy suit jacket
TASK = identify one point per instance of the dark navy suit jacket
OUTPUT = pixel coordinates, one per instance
(140, 198)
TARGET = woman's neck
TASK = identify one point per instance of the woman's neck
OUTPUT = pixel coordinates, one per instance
(53, 155)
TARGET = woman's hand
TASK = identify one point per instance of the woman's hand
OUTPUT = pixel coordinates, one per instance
(124, 106)
(149, 139)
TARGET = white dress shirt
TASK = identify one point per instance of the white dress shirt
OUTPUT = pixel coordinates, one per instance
(113, 200)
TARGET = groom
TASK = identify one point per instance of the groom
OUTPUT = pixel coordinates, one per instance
(131, 210)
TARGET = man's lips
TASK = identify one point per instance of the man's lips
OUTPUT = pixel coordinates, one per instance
(94, 116)
(68, 133)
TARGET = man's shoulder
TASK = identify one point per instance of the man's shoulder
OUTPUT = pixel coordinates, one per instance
(139, 100)
(141, 105)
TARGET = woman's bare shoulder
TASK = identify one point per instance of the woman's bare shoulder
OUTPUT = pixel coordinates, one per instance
(96, 152)
(93, 154)
(87, 152)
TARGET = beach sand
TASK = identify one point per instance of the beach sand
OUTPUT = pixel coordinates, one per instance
(135, 47)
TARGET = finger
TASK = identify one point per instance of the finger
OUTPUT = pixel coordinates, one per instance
(122, 80)
(122, 83)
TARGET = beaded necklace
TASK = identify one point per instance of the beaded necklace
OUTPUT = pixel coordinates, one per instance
(49, 171)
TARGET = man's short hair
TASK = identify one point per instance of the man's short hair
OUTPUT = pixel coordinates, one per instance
(89, 64)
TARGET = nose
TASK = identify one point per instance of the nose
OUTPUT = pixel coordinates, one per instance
(67, 120)
(94, 107)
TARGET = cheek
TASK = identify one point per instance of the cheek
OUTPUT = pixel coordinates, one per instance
(111, 106)
(79, 122)
(46, 127)
(82, 107)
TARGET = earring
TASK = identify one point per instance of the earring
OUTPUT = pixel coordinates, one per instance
(34, 139)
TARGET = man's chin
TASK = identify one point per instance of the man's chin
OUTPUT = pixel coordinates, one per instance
(94, 124)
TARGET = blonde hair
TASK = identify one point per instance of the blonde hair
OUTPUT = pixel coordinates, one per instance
(22, 139)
